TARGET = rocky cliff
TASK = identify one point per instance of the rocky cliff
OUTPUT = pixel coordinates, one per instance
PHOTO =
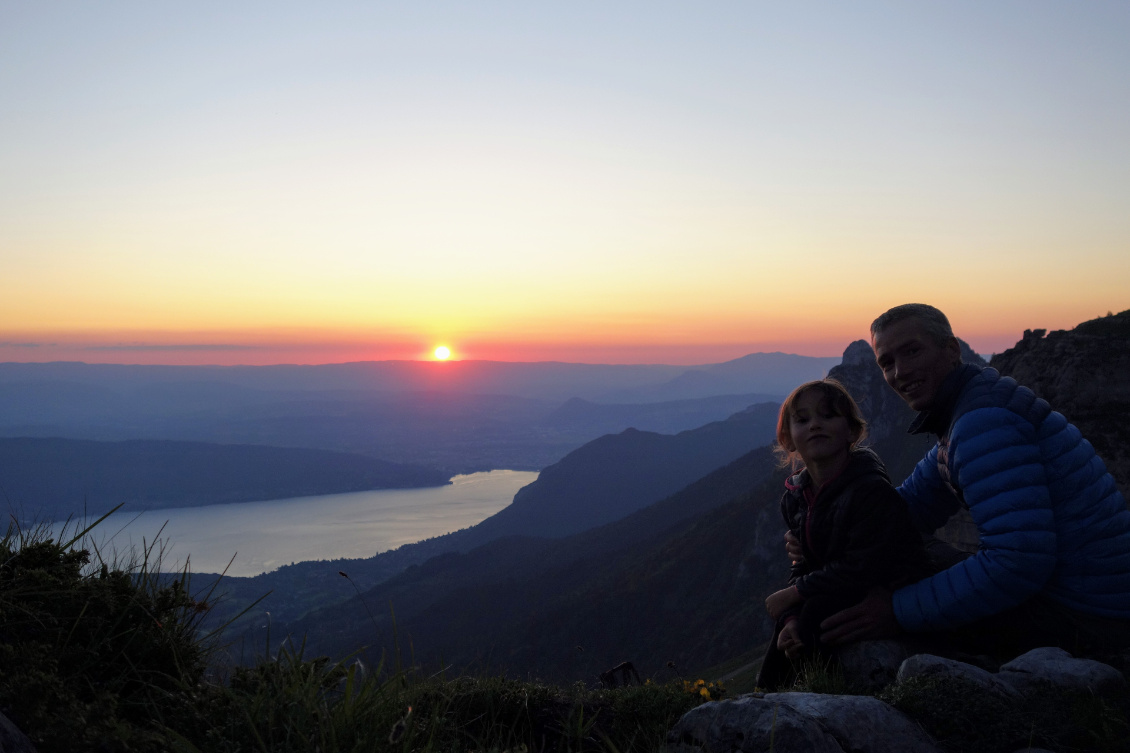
(1085, 374)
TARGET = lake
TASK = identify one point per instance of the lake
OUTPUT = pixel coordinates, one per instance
(266, 535)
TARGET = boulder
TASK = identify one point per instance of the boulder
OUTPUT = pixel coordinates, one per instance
(860, 724)
(796, 722)
(747, 724)
(12, 740)
(927, 665)
(1055, 666)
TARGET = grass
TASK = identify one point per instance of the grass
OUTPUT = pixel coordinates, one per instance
(110, 656)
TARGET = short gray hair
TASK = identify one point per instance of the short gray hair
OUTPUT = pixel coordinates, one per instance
(934, 323)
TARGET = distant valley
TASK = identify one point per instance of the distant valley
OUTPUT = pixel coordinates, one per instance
(457, 417)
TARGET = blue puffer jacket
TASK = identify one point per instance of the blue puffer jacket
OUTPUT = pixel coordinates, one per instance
(1049, 514)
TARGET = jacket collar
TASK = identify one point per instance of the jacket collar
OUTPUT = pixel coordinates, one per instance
(862, 460)
(937, 418)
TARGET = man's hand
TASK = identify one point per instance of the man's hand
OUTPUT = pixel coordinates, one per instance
(793, 548)
(870, 619)
(789, 639)
(782, 600)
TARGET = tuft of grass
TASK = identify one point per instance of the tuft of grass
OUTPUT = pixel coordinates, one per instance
(91, 651)
(965, 717)
(294, 704)
(819, 674)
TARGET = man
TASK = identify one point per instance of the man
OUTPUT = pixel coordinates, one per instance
(1054, 564)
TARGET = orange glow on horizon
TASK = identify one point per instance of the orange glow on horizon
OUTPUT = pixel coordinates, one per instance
(673, 338)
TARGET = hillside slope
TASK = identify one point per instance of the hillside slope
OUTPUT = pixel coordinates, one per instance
(524, 604)
(51, 478)
(604, 480)
(615, 475)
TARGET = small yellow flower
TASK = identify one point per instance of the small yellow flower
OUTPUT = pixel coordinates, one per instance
(704, 693)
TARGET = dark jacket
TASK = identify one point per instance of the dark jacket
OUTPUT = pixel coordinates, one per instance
(856, 535)
(1050, 517)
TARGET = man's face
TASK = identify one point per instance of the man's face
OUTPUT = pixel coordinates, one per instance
(912, 363)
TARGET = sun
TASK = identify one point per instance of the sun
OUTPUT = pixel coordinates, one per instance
(443, 353)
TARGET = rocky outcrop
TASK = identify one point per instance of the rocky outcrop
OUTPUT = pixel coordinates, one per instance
(1054, 666)
(1084, 373)
(788, 722)
(12, 740)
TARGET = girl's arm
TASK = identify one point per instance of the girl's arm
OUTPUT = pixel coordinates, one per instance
(880, 544)
(781, 601)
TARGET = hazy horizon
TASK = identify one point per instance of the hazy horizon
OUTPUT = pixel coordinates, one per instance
(152, 360)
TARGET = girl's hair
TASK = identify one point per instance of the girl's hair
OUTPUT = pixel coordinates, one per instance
(838, 400)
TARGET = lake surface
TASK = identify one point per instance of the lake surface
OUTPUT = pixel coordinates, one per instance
(267, 535)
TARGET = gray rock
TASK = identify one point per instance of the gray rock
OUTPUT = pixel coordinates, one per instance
(796, 723)
(870, 666)
(748, 724)
(12, 740)
(1057, 667)
(860, 724)
(927, 665)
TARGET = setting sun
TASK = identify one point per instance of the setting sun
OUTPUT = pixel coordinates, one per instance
(443, 353)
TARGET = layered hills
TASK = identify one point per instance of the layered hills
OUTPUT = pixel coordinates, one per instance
(459, 417)
(678, 584)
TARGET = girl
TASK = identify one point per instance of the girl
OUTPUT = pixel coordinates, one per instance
(852, 525)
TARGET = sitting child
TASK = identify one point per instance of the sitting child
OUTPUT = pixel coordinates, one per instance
(852, 525)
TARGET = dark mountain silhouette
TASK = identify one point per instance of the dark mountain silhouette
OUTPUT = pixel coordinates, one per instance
(617, 474)
(50, 479)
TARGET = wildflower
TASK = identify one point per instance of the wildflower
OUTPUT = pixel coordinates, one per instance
(399, 728)
(704, 693)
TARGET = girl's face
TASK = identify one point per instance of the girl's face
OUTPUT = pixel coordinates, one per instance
(817, 433)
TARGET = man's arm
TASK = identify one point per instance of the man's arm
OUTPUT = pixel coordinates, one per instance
(929, 501)
(869, 620)
(997, 460)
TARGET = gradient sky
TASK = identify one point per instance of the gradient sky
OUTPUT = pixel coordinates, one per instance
(616, 182)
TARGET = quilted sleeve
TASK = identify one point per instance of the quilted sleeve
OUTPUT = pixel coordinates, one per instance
(997, 463)
(929, 501)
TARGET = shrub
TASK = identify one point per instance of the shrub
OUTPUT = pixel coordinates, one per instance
(91, 657)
